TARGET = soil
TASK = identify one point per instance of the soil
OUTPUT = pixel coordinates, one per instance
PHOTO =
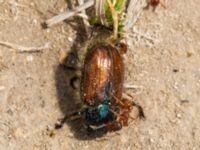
(162, 63)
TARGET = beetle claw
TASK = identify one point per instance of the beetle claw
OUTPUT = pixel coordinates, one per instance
(140, 110)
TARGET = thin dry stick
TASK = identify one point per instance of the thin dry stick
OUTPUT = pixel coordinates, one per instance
(99, 4)
(138, 89)
(115, 18)
(132, 86)
(134, 9)
(65, 15)
(86, 23)
(22, 49)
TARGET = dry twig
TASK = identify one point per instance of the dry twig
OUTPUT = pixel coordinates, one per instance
(2, 87)
(70, 13)
(85, 20)
(132, 86)
(22, 49)
(136, 88)
(115, 18)
(131, 16)
(134, 9)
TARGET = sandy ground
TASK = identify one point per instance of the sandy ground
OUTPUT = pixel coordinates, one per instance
(162, 60)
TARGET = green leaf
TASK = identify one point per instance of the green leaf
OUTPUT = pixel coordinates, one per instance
(108, 14)
(118, 5)
(93, 20)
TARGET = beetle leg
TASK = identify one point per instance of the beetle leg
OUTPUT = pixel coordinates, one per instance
(126, 104)
(122, 46)
(118, 101)
(73, 116)
(129, 104)
(140, 110)
(116, 113)
(114, 126)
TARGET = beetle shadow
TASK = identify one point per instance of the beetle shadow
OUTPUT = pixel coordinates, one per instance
(69, 96)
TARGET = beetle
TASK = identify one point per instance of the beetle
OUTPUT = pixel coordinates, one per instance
(101, 88)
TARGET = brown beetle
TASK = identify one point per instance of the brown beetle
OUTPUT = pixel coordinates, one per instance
(102, 85)
(103, 65)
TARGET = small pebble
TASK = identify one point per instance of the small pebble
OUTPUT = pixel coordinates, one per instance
(152, 140)
(2, 88)
(35, 21)
(32, 4)
(49, 128)
(29, 58)
(175, 70)
(178, 116)
(70, 135)
(47, 30)
(70, 39)
(189, 54)
(184, 101)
